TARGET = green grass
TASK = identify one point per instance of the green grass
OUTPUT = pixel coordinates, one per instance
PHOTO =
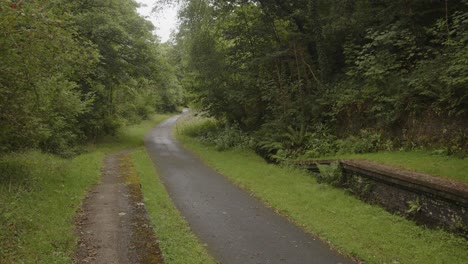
(129, 136)
(365, 231)
(442, 166)
(177, 242)
(40, 194)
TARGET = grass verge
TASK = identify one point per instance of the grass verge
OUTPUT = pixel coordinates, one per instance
(129, 136)
(40, 194)
(177, 242)
(442, 166)
(365, 231)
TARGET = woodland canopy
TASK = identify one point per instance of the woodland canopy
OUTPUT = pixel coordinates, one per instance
(319, 76)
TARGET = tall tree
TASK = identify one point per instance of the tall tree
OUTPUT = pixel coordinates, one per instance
(347, 65)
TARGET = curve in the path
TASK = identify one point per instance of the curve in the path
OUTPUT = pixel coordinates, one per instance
(236, 227)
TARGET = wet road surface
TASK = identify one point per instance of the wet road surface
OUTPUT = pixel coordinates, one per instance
(236, 227)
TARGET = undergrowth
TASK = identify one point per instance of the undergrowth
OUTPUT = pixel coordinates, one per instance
(41, 193)
(299, 144)
(39, 196)
(331, 174)
(221, 135)
(365, 231)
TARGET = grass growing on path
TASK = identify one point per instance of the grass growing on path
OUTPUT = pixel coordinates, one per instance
(177, 242)
(40, 194)
(362, 230)
(442, 166)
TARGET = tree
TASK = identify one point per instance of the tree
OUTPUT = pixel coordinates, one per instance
(75, 70)
(350, 66)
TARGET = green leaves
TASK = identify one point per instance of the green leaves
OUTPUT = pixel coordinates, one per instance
(40, 63)
(351, 66)
(74, 70)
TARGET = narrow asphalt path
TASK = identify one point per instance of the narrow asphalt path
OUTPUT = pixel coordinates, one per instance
(236, 227)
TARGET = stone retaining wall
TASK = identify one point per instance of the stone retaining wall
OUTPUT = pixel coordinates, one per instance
(428, 200)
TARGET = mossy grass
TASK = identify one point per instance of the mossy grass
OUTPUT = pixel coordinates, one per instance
(423, 161)
(41, 193)
(177, 242)
(364, 231)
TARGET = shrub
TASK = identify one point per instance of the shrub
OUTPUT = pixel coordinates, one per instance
(223, 136)
(201, 129)
(320, 143)
(232, 137)
(331, 174)
(365, 142)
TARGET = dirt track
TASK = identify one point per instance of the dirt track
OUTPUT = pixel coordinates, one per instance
(113, 225)
(236, 227)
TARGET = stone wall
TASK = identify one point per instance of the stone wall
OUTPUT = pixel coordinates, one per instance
(428, 200)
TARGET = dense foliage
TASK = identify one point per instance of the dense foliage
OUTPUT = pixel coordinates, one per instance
(72, 71)
(316, 77)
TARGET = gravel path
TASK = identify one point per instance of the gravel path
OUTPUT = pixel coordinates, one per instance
(236, 227)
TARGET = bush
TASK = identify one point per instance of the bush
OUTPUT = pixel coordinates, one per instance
(331, 174)
(200, 129)
(231, 137)
(278, 143)
(223, 136)
(364, 142)
(320, 143)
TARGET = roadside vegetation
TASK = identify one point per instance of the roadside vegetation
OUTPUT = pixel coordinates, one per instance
(177, 242)
(39, 197)
(223, 136)
(77, 80)
(40, 194)
(313, 78)
(75, 71)
(361, 230)
(423, 161)
(303, 79)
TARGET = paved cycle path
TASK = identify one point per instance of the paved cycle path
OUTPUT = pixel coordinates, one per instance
(236, 227)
